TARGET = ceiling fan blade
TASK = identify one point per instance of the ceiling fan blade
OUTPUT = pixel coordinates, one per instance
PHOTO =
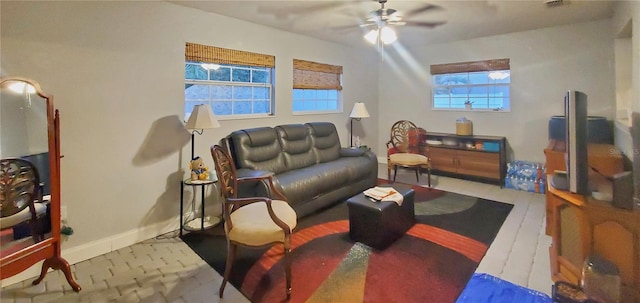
(422, 9)
(353, 26)
(396, 23)
(424, 24)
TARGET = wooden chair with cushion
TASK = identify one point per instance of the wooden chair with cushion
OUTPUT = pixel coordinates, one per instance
(403, 149)
(252, 222)
(20, 189)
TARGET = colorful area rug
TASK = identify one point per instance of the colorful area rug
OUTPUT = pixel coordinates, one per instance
(432, 263)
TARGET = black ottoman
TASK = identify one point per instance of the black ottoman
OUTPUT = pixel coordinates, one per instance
(378, 224)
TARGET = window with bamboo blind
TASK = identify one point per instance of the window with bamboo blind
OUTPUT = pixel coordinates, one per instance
(234, 83)
(474, 85)
(316, 87)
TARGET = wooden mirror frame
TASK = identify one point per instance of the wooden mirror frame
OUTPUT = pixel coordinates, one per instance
(49, 249)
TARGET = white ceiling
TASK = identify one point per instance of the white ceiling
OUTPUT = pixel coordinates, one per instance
(338, 20)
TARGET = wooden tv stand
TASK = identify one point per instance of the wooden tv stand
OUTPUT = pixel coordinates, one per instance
(605, 158)
(580, 226)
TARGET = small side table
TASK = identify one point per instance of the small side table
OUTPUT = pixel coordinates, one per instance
(195, 224)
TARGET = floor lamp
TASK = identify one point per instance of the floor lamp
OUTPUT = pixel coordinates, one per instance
(201, 118)
(358, 112)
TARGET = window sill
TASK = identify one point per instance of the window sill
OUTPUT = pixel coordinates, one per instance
(243, 117)
(481, 110)
(316, 113)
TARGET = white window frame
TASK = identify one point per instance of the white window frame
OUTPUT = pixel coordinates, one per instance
(469, 87)
(338, 101)
(230, 83)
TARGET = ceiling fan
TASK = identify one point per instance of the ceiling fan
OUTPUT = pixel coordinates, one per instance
(382, 18)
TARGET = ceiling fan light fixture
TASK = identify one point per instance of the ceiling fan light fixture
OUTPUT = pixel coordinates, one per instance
(387, 35)
(372, 36)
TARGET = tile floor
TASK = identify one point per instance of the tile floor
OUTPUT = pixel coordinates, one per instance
(165, 269)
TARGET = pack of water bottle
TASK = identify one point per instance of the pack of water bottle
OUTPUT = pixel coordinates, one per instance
(526, 176)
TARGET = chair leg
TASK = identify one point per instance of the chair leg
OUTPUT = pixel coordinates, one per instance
(395, 172)
(35, 231)
(429, 177)
(417, 177)
(287, 268)
(388, 172)
(231, 253)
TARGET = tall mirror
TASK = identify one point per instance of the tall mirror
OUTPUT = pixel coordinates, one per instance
(29, 180)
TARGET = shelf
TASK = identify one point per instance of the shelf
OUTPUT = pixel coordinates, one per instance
(460, 148)
(458, 160)
(200, 223)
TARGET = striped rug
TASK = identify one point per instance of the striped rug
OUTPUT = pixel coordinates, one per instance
(432, 263)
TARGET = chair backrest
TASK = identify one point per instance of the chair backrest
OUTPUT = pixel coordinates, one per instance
(405, 136)
(19, 186)
(226, 171)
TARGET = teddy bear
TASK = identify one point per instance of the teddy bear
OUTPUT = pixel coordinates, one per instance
(199, 171)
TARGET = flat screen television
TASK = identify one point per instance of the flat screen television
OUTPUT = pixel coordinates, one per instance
(576, 179)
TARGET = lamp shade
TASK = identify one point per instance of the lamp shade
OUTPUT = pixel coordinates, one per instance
(202, 117)
(359, 111)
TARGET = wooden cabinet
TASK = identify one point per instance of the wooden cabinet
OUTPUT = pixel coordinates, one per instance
(470, 157)
(604, 158)
(582, 226)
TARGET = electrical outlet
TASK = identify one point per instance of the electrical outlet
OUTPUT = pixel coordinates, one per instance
(63, 213)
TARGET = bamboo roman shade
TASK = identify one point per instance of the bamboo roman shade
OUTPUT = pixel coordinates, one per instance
(211, 54)
(471, 66)
(313, 75)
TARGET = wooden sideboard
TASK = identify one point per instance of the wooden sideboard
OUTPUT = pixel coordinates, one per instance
(470, 157)
(580, 226)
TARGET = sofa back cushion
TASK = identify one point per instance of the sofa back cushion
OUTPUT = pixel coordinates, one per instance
(258, 148)
(296, 146)
(326, 143)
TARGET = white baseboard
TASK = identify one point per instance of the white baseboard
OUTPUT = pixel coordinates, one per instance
(99, 247)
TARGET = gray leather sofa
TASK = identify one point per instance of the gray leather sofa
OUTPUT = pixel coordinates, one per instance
(310, 167)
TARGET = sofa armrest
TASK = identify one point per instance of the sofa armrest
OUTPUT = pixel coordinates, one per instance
(352, 152)
(245, 174)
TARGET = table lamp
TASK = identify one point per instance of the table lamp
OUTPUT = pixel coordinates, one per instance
(358, 112)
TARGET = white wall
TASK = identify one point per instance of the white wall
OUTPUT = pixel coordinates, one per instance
(544, 64)
(116, 71)
(627, 71)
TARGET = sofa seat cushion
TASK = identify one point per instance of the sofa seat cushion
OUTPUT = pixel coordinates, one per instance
(332, 175)
(300, 184)
(408, 159)
(358, 167)
(252, 224)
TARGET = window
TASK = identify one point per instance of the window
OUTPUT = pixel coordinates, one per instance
(233, 83)
(478, 85)
(316, 87)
